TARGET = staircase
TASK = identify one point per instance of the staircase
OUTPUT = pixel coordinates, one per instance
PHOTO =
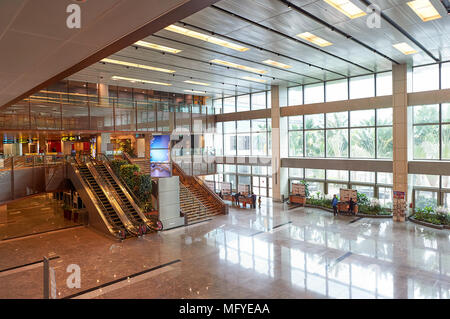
(190, 186)
(143, 163)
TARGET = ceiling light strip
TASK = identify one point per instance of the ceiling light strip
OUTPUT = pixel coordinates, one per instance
(115, 77)
(157, 47)
(346, 7)
(136, 65)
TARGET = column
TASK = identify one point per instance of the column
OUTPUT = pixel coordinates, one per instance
(279, 146)
(400, 128)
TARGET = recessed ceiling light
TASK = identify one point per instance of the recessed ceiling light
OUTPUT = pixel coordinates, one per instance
(205, 37)
(115, 77)
(314, 39)
(157, 47)
(424, 9)
(238, 66)
(192, 91)
(277, 64)
(404, 48)
(139, 66)
(195, 82)
(249, 78)
(346, 7)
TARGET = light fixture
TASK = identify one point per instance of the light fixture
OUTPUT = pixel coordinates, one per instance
(346, 7)
(238, 66)
(195, 82)
(157, 47)
(424, 9)
(139, 66)
(205, 37)
(277, 64)
(314, 39)
(404, 48)
(115, 77)
(249, 78)
(192, 91)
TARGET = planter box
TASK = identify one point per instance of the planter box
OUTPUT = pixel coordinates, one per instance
(373, 216)
(419, 222)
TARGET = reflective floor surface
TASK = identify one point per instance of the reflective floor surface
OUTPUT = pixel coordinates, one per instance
(272, 252)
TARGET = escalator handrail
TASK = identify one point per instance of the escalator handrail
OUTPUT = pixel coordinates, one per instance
(111, 225)
(129, 226)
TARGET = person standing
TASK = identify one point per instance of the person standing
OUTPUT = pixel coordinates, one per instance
(334, 203)
(253, 200)
(351, 205)
(259, 202)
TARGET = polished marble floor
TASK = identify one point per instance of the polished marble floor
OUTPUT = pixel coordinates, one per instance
(31, 215)
(272, 252)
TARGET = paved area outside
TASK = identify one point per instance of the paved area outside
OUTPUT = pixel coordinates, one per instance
(272, 252)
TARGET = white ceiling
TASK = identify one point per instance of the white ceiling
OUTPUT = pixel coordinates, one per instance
(36, 44)
(193, 60)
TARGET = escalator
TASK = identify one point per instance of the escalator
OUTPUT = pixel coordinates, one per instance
(130, 210)
(105, 213)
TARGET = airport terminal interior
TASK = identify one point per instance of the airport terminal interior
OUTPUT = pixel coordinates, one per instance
(225, 149)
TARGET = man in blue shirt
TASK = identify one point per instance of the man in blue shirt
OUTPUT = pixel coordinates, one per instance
(334, 203)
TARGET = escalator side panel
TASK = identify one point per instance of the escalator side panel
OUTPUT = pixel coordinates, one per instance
(96, 218)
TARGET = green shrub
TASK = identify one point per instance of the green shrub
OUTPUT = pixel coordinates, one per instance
(116, 164)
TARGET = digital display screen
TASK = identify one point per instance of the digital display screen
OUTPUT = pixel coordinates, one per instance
(160, 141)
(160, 170)
(159, 155)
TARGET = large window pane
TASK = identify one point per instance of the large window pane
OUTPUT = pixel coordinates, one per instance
(384, 83)
(295, 95)
(243, 103)
(446, 142)
(426, 78)
(384, 178)
(217, 105)
(384, 116)
(314, 173)
(445, 75)
(229, 105)
(229, 127)
(259, 170)
(362, 118)
(259, 125)
(259, 144)
(362, 86)
(333, 188)
(259, 101)
(337, 143)
(244, 169)
(335, 120)
(426, 114)
(385, 196)
(446, 112)
(229, 145)
(368, 190)
(315, 187)
(314, 93)
(296, 143)
(336, 90)
(242, 126)
(314, 121)
(384, 142)
(362, 176)
(426, 142)
(295, 122)
(337, 175)
(314, 143)
(425, 199)
(362, 143)
(243, 144)
(425, 180)
(296, 172)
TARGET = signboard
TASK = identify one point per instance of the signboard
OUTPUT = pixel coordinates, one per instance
(244, 189)
(226, 188)
(399, 207)
(346, 194)
(298, 189)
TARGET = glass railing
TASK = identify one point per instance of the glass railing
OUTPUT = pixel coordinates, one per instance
(59, 111)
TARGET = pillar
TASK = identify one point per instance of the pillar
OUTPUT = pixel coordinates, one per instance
(400, 128)
(279, 145)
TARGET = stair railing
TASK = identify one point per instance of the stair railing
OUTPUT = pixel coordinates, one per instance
(193, 201)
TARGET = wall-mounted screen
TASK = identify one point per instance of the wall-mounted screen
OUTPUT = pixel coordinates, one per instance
(159, 155)
(160, 141)
(160, 170)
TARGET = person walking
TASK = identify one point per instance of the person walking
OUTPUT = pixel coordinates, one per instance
(334, 203)
(253, 200)
(259, 202)
(236, 198)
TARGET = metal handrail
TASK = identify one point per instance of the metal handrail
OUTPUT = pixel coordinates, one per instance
(193, 199)
(98, 200)
(114, 193)
(131, 192)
